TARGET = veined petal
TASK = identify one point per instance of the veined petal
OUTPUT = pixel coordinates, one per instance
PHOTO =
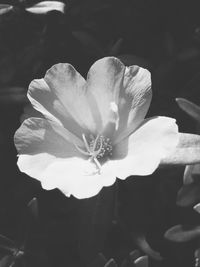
(81, 182)
(45, 101)
(135, 98)
(142, 152)
(105, 78)
(70, 89)
(39, 143)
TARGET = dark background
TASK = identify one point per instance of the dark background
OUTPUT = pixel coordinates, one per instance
(162, 36)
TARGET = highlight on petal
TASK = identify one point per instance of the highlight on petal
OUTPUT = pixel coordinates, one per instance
(135, 98)
(46, 6)
(81, 181)
(190, 108)
(156, 138)
(104, 81)
(187, 151)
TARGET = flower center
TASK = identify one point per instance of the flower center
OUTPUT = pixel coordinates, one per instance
(97, 148)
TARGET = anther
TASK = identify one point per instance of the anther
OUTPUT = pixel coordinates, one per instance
(96, 149)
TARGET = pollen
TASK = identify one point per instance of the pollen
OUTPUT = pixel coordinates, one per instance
(103, 145)
(96, 149)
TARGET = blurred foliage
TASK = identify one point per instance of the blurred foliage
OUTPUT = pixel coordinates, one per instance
(163, 36)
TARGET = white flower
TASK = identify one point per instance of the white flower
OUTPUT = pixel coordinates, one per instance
(94, 130)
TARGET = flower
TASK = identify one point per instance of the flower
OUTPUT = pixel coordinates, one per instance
(92, 131)
(193, 111)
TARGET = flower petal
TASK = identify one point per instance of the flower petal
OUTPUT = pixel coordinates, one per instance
(45, 101)
(146, 147)
(135, 98)
(187, 151)
(105, 78)
(39, 143)
(70, 89)
(77, 181)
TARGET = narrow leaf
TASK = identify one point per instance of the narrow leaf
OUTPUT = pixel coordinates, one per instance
(46, 6)
(142, 243)
(7, 261)
(190, 108)
(33, 207)
(187, 151)
(197, 207)
(178, 234)
(134, 255)
(99, 261)
(187, 177)
(197, 256)
(4, 8)
(142, 261)
(191, 173)
(111, 263)
(7, 243)
(188, 195)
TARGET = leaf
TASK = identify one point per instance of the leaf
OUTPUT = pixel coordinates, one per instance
(96, 215)
(33, 207)
(99, 261)
(7, 243)
(191, 172)
(111, 263)
(188, 195)
(197, 255)
(134, 255)
(187, 151)
(7, 261)
(190, 108)
(142, 261)
(187, 177)
(142, 243)
(4, 8)
(197, 207)
(46, 6)
(178, 234)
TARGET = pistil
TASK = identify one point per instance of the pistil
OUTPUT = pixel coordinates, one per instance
(96, 149)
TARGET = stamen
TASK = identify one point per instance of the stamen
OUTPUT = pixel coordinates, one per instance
(97, 164)
(82, 151)
(100, 147)
(86, 143)
(96, 149)
(95, 143)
